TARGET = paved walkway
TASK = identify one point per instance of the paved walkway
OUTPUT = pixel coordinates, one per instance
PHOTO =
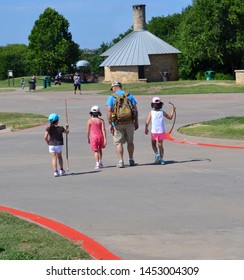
(191, 208)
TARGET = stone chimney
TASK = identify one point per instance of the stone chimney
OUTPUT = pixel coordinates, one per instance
(139, 17)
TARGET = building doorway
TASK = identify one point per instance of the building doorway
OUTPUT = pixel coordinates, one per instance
(141, 72)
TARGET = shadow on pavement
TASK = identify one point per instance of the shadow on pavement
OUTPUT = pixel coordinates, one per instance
(176, 161)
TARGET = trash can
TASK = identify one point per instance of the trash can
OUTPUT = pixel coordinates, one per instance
(209, 75)
(44, 83)
(32, 85)
(48, 80)
(165, 76)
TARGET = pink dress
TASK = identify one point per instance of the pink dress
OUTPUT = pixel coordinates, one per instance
(96, 135)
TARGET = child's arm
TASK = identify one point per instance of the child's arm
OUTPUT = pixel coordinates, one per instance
(88, 128)
(147, 123)
(66, 129)
(104, 132)
(169, 117)
(46, 136)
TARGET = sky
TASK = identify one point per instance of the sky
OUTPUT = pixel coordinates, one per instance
(92, 22)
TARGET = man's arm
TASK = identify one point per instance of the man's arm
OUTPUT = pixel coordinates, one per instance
(135, 112)
(109, 113)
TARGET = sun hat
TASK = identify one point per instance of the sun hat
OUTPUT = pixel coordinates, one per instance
(95, 109)
(156, 100)
(53, 117)
(114, 84)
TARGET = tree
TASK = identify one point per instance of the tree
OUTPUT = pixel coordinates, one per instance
(166, 28)
(13, 57)
(212, 36)
(50, 44)
(94, 58)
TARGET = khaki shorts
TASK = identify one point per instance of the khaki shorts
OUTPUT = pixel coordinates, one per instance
(124, 133)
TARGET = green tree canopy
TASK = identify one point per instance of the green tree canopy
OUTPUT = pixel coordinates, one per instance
(50, 44)
(212, 36)
(166, 28)
(13, 57)
(93, 56)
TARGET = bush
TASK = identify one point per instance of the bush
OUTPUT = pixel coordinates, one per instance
(222, 76)
(200, 76)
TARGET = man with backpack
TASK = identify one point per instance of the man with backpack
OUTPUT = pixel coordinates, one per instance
(123, 119)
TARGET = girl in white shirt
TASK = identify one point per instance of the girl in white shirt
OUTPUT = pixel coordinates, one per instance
(158, 133)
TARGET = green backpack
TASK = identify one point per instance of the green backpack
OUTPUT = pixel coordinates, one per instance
(122, 109)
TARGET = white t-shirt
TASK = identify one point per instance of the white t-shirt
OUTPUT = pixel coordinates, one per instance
(157, 118)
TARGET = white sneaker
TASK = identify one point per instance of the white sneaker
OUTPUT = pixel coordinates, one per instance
(61, 172)
(120, 164)
(162, 162)
(97, 167)
(56, 174)
(157, 158)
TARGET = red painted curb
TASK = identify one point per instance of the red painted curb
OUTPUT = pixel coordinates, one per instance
(93, 248)
(170, 138)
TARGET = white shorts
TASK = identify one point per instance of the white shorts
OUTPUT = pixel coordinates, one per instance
(55, 149)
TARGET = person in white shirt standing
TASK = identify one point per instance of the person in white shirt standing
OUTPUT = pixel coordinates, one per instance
(158, 133)
(77, 81)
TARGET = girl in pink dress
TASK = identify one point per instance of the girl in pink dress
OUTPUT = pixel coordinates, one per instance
(96, 135)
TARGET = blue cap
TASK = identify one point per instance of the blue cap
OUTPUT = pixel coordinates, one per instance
(53, 117)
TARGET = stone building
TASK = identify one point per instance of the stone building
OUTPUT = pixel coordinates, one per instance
(140, 56)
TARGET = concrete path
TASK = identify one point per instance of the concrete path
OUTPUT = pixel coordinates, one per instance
(191, 208)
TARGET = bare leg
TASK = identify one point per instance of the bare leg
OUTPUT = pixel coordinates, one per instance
(100, 155)
(54, 161)
(60, 160)
(161, 148)
(130, 148)
(96, 156)
(120, 151)
(154, 146)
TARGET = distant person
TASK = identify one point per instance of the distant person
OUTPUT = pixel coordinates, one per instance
(22, 83)
(58, 77)
(54, 138)
(33, 80)
(158, 133)
(96, 135)
(77, 82)
(122, 128)
(57, 80)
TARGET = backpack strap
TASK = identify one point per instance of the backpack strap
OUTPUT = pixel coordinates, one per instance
(125, 94)
(115, 95)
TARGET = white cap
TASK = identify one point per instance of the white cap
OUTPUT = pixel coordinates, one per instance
(95, 109)
(115, 83)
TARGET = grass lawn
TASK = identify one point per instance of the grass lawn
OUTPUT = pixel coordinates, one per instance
(16, 121)
(224, 128)
(161, 88)
(155, 88)
(22, 240)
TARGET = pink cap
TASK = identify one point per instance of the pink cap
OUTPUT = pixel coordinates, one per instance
(156, 100)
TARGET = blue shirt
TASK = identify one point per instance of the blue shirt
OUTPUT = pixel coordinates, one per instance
(111, 99)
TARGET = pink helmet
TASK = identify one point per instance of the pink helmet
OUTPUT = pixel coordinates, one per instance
(156, 103)
(156, 100)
